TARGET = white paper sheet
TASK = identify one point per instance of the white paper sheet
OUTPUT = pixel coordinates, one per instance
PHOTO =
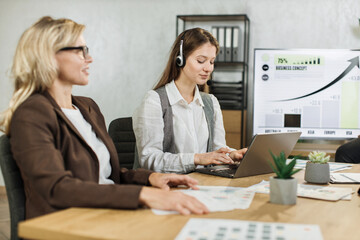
(218, 198)
(310, 191)
(224, 229)
(334, 166)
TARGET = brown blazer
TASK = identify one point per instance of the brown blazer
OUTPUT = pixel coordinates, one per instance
(58, 167)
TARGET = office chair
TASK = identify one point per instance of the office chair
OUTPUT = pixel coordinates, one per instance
(14, 186)
(122, 134)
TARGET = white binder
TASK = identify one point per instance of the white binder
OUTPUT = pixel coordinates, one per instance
(221, 40)
(236, 52)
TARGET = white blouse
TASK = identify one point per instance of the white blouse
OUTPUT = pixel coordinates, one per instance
(190, 131)
(99, 148)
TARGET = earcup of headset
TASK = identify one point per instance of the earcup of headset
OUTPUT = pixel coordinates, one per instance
(179, 61)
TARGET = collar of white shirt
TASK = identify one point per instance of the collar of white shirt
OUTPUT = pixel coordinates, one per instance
(175, 96)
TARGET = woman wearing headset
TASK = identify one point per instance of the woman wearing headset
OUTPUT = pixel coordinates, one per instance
(177, 127)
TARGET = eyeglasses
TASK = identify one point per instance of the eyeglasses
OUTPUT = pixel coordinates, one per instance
(84, 49)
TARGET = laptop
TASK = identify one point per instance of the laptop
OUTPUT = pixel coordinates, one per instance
(257, 157)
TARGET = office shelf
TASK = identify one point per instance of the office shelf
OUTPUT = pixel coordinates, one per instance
(209, 18)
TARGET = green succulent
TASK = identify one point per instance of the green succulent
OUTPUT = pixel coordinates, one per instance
(318, 157)
(283, 170)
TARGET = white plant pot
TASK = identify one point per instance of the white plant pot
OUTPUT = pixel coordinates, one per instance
(283, 191)
(317, 173)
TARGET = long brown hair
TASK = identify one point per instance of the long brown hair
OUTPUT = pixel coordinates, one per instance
(34, 66)
(192, 39)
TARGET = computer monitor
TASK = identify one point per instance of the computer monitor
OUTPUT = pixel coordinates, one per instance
(315, 91)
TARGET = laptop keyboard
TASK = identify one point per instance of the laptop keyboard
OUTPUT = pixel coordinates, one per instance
(226, 172)
(223, 172)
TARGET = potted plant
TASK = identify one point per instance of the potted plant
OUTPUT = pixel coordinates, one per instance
(283, 187)
(317, 168)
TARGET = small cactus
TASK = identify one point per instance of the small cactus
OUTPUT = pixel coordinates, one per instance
(318, 157)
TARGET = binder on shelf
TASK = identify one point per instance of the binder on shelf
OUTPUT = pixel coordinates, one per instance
(228, 44)
(236, 53)
(221, 40)
(215, 33)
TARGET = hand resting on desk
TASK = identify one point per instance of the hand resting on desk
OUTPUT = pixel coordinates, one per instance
(164, 199)
(167, 180)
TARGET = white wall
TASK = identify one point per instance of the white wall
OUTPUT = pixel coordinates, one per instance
(130, 39)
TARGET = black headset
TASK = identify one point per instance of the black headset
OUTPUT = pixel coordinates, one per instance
(180, 59)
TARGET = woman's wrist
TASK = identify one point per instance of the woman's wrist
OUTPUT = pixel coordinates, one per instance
(144, 195)
(152, 178)
(232, 155)
(197, 157)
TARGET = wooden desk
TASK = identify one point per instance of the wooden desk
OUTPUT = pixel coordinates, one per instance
(337, 220)
(304, 149)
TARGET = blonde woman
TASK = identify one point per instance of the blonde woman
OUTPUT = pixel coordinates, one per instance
(177, 127)
(60, 142)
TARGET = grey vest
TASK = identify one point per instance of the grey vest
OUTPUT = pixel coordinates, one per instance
(169, 142)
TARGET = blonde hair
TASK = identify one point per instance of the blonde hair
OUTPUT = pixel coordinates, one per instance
(34, 66)
(192, 40)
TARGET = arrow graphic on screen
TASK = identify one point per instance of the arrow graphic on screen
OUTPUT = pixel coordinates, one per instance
(354, 62)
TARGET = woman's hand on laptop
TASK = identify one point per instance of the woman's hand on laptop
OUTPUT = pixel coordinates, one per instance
(220, 156)
(237, 155)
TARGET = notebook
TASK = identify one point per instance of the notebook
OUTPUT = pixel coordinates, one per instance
(256, 159)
